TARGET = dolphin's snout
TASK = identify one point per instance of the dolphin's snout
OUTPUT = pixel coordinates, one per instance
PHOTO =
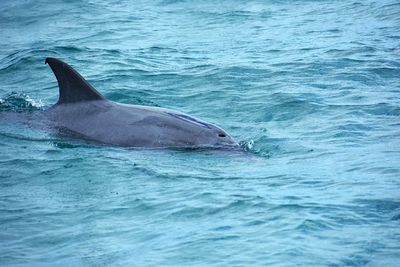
(225, 139)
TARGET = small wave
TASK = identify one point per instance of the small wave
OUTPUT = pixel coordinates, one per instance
(32, 56)
(20, 102)
(386, 72)
(125, 96)
(14, 60)
(262, 146)
(309, 226)
(267, 147)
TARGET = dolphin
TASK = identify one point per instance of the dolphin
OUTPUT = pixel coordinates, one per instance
(82, 111)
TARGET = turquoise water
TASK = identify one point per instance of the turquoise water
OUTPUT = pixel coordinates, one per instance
(309, 88)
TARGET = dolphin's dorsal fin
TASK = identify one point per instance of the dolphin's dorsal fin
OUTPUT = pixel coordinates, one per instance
(72, 86)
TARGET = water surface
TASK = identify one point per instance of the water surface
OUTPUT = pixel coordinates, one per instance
(309, 88)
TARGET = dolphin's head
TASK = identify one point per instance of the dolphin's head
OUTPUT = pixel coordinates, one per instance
(217, 137)
(212, 137)
(199, 133)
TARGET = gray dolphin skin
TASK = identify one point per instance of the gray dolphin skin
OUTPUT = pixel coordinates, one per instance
(82, 110)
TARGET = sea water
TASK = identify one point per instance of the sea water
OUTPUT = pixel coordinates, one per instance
(309, 88)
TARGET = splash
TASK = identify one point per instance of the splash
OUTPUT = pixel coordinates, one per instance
(19, 102)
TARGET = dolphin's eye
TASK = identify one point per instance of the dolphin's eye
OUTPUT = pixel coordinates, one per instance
(221, 135)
